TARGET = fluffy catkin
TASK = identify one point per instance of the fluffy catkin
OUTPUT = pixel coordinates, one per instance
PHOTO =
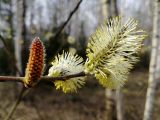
(35, 63)
(113, 50)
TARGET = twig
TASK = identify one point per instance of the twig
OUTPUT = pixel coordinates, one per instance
(63, 26)
(4, 43)
(16, 104)
(68, 19)
(11, 79)
(4, 110)
(43, 78)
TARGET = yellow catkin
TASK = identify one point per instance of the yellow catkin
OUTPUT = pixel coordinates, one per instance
(35, 63)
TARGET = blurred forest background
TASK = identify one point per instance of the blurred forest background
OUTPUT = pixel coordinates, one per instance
(67, 25)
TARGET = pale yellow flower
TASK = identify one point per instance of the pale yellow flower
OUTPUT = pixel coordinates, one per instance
(112, 51)
(67, 64)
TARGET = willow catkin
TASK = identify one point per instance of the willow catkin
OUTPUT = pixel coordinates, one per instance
(112, 51)
(35, 63)
(67, 64)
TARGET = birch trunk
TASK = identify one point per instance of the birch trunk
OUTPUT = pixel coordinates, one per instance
(152, 83)
(110, 103)
(114, 99)
(19, 33)
(119, 105)
(105, 8)
(118, 94)
(24, 51)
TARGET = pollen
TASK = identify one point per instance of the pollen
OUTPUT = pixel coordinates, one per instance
(35, 63)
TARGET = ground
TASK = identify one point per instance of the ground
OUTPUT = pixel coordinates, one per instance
(45, 103)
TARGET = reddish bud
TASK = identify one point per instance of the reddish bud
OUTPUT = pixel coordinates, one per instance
(35, 63)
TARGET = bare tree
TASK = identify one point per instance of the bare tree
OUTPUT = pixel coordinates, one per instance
(154, 64)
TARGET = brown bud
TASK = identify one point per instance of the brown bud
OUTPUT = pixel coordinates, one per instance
(35, 63)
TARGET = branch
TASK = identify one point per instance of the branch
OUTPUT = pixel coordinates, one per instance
(68, 19)
(11, 79)
(21, 79)
(9, 54)
(13, 109)
(43, 78)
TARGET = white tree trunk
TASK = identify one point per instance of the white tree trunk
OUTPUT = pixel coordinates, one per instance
(119, 93)
(19, 34)
(109, 94)
(105, 9)
(154, 65)
(119, 104)
(113, 101)
(110, 102)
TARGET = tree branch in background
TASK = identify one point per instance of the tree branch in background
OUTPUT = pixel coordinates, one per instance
(58, 32)
(9, 53)
(43, 78)
(68, 19)
(16, 104)
(24, 89)
(21, 80)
